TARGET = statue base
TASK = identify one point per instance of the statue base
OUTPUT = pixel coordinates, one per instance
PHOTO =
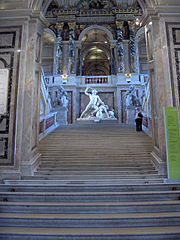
(61, 117)
(130, 115)
(95, 120)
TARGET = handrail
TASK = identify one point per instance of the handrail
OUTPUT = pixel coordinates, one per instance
(44, 89)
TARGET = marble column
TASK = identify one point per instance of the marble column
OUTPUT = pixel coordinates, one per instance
(58, 56)
(112, 61)
(31, 96)
(79, 67)
(72, 59)
(120, 48)
(155, 32)
(133, 55)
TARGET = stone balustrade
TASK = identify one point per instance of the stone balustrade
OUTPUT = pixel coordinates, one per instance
(96, 80)
(47, 124)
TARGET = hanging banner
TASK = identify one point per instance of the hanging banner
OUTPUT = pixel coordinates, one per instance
(172, 142)
(4, 76)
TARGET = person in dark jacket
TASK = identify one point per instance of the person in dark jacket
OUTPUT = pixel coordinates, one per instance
(138, 119)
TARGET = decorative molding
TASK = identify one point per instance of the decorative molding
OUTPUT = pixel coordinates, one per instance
(176, 39)
(70, 107)
(177, 61)
(3, 147)
(7, 40)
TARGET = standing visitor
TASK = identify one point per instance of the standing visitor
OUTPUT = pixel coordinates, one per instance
(138, 119)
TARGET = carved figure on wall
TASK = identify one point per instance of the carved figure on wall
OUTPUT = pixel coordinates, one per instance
(61, 98)
(64, 100)
(131, 97)
(95, 104)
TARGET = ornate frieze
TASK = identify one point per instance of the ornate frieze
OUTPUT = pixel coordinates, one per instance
(96, 20)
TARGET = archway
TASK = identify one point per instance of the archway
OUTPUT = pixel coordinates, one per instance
(95, 52)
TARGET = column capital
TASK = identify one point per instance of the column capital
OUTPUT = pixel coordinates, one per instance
(59, 25)
(131, 24)
(72, 25)
(119, 24)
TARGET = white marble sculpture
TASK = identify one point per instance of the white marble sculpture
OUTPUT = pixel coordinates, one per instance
(131, 97)
(64, 100)
(96, 108)
(60, 105)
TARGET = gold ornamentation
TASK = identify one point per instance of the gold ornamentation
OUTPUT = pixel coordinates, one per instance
(72, 25)
(119, 24)
(59, 25)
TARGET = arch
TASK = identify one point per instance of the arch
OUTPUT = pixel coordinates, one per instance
(48, 30)
(86, 30)
(140, 33)
(86, 50)
(42, 5)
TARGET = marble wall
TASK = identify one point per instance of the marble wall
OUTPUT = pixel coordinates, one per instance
(174, 58)
(9, 59)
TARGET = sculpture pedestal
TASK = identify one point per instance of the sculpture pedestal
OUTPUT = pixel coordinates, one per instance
(61, 117)
(130, 115)
(95, 120)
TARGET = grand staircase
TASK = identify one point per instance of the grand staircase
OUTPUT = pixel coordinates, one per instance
(94, 182)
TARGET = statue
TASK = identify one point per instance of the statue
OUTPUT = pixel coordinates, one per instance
(111, 113)
(95, 106)
(103, 112)
(60, 105)
(131, 97)
(61, 99)
(64, 100)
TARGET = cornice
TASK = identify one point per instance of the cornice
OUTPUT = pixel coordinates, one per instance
(23, 15)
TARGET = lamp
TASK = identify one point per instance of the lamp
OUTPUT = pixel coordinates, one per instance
(64, 78)
(128, 77)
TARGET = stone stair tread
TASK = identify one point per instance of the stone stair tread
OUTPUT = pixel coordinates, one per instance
(51, 183)
(165, 202)
(93, 193)
(56, 184)
(91, 216)
(91, 231)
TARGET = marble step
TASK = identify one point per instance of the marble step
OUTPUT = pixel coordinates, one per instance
(91, 181)
(130, 170)
(58, 163)
(89, 196)
(90, 220)
(98, 159)
(95, 172)
(56, 186)
(90, 207)
(121, 170)
(145, 233)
